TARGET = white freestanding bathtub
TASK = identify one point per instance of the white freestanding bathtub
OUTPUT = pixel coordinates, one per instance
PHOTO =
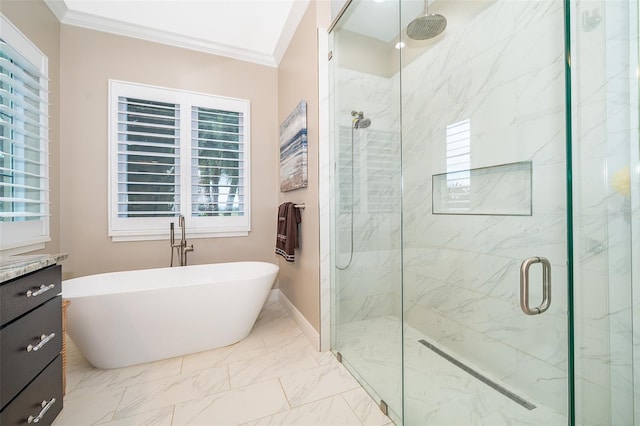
(125, 318)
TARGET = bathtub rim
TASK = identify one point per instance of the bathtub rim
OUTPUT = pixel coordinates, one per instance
(273, 269)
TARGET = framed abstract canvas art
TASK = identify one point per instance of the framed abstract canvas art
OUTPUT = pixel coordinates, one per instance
(293, 149)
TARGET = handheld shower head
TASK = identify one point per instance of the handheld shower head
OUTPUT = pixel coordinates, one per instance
(359, 120)
(426, 26)
(363, 124)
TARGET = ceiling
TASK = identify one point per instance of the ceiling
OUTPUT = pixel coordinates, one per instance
(378, 19)
(250, 30)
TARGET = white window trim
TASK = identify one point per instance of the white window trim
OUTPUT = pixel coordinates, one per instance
(23, 237)
(146, 229)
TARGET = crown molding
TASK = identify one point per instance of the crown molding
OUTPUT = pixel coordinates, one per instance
(85, 20)
(58, 7)
(298, 9)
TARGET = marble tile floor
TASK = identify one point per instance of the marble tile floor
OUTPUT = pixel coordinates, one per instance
(272, 377)
(436, 391)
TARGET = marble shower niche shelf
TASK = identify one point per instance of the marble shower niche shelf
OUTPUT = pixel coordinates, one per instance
(503, 190)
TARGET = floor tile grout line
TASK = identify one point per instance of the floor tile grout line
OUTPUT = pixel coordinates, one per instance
(173, 414)
(356, 385)
(228, 375)
(128, 382)
(351, 408)
(303, 369)
(137, 413)
(368, 399)
(218, 394)
(146, 410)
(299, 408)
(102, 421)
(285, 393)
(118, 404)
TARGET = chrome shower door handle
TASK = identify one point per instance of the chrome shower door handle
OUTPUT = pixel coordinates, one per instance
(524, 285)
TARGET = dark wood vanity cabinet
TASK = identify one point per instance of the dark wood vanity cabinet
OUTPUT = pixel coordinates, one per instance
(30, 346)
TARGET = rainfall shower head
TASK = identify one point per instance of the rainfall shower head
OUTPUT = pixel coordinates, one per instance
(426, 26)
(359, 120)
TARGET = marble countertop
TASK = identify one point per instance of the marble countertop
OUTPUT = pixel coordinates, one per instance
(15, 266)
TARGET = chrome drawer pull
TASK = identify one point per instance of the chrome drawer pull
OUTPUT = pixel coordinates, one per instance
(43, 340)
(45, 407)
(40, 290)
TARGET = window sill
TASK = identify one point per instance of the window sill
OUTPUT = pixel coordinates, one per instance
(117, 237)
(23, 249)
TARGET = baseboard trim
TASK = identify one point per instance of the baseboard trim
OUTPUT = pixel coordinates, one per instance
(307, 328)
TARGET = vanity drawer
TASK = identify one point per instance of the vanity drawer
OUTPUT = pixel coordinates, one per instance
(25, 293)
(21, 363)
(35, 398)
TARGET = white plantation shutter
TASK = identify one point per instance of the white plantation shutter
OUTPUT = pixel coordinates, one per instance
(177, 153)
(218, 164)
(24, 156)
(148, 158)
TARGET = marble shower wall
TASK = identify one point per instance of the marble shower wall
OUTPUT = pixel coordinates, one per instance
(367, 287)
(502, 70)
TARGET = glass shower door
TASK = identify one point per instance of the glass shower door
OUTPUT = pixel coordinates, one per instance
(366, 230)
(485, 216)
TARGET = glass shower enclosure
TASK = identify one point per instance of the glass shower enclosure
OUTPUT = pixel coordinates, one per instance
(367, 203)
(476, 224)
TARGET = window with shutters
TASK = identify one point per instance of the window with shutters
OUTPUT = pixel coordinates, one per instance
(24, 143)
(458, 139)
(177, 153)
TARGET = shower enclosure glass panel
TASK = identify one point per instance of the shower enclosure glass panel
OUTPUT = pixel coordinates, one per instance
(366, 227)
(483, 110)
(606, 158)
(493, 295)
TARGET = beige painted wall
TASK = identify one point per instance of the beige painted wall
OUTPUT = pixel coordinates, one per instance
(35, 20)
(88, 59)
(81, 61)
(298, 80)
